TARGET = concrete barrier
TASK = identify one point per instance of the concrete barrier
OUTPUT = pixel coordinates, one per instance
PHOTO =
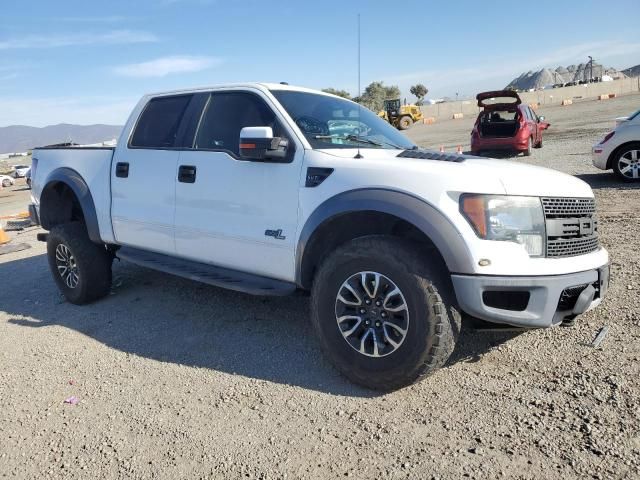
(552, 96)
(533, 106)
(603, 97)
(566, 101)
(612, 95)
(458, 116)
(429, 120)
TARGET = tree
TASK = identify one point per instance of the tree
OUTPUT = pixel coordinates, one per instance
(340, 93)
(376, 93)
(420, 91)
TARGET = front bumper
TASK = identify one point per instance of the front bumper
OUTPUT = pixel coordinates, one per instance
(533, 302)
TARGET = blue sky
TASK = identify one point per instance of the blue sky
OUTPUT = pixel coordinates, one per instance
(88, 62)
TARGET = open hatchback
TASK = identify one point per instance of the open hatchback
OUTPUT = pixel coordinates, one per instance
(505, 124)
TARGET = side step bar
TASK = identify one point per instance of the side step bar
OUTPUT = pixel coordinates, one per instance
(205, 273)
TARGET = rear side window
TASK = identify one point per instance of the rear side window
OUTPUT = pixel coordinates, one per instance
(158, 125)
(229, 112)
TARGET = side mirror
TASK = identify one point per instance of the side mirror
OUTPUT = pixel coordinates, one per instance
(259, 144)
(541, 118)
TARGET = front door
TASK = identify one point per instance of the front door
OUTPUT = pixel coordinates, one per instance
(143, 177)
(232, 212)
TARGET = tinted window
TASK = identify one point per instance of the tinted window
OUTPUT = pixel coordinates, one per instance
(634, 115)
(229, 112)
(159, 122)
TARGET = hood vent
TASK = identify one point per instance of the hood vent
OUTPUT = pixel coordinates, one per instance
(433, 155)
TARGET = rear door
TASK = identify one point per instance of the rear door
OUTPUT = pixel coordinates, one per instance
(232, 212)
(143, 176)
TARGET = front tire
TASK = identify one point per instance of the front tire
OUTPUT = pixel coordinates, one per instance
(405, 123)
(626, 162)
(384, 312)
(80, 268)
(6, 183)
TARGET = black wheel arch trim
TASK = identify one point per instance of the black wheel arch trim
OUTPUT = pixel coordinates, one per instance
(79, 187)
(424, 216)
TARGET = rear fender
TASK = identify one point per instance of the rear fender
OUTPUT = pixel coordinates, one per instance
(80, 189)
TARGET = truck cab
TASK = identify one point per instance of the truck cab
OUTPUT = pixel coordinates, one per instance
(271, 189)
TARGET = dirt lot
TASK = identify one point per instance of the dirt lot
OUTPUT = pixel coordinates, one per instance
(180, 380)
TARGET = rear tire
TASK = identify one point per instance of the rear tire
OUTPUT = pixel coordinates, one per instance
(390, 346)
(626, 162)
(527, 152)
(6, 183)
(80, 268)
(405, 122)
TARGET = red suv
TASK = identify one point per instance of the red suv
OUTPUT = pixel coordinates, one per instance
(505, 124)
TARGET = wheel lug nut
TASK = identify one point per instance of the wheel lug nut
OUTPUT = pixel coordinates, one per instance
(363, 310)
(367, 301)
(378, 303)
(383, 314)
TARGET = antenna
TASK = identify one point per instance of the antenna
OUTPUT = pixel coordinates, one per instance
(359, 93)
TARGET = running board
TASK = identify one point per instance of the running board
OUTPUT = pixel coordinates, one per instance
(205, 273)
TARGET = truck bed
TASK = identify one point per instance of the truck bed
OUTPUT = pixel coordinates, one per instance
(94, 166)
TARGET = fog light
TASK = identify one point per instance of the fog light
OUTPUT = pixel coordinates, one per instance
(484, 262)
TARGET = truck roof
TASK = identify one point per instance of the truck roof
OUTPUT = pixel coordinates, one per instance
(259, 85)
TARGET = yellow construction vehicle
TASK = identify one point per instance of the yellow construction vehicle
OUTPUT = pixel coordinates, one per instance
(400, 116)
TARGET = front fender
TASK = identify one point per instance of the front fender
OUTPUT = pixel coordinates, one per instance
(433, 223)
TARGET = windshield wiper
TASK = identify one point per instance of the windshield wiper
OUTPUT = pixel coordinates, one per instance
(355, 138)
(351, 138)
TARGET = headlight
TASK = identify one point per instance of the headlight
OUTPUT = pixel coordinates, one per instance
(507, 218)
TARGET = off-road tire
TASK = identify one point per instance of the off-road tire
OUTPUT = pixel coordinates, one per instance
(434, 319)
(617, 156)
(6, 183)
(527, 152)
(405, 122)
(93, 263)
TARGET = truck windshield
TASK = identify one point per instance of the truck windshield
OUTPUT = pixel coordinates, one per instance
(329, 122)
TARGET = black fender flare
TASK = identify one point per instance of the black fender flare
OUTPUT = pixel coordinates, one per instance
(424, 216)
(79, 187)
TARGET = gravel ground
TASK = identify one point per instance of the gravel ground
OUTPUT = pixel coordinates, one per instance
(180, 380)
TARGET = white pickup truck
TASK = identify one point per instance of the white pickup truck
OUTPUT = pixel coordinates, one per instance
(269, 189)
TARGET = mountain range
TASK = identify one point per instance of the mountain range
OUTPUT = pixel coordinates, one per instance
(572, 73)
(20, 138)
(632, 71)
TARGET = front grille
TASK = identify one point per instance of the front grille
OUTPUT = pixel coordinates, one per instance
(572, 247)
(572, 228)
(568, 207)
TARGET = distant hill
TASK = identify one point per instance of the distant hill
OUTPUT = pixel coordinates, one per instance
(632, 71)
(20, 138)
(572, 73)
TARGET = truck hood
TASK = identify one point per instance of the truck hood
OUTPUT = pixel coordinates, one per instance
(523, 179)
(472, 175)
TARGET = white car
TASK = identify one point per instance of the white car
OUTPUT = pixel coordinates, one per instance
(620, 149)
(259, 188)
(6, 181)
(20, 171)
